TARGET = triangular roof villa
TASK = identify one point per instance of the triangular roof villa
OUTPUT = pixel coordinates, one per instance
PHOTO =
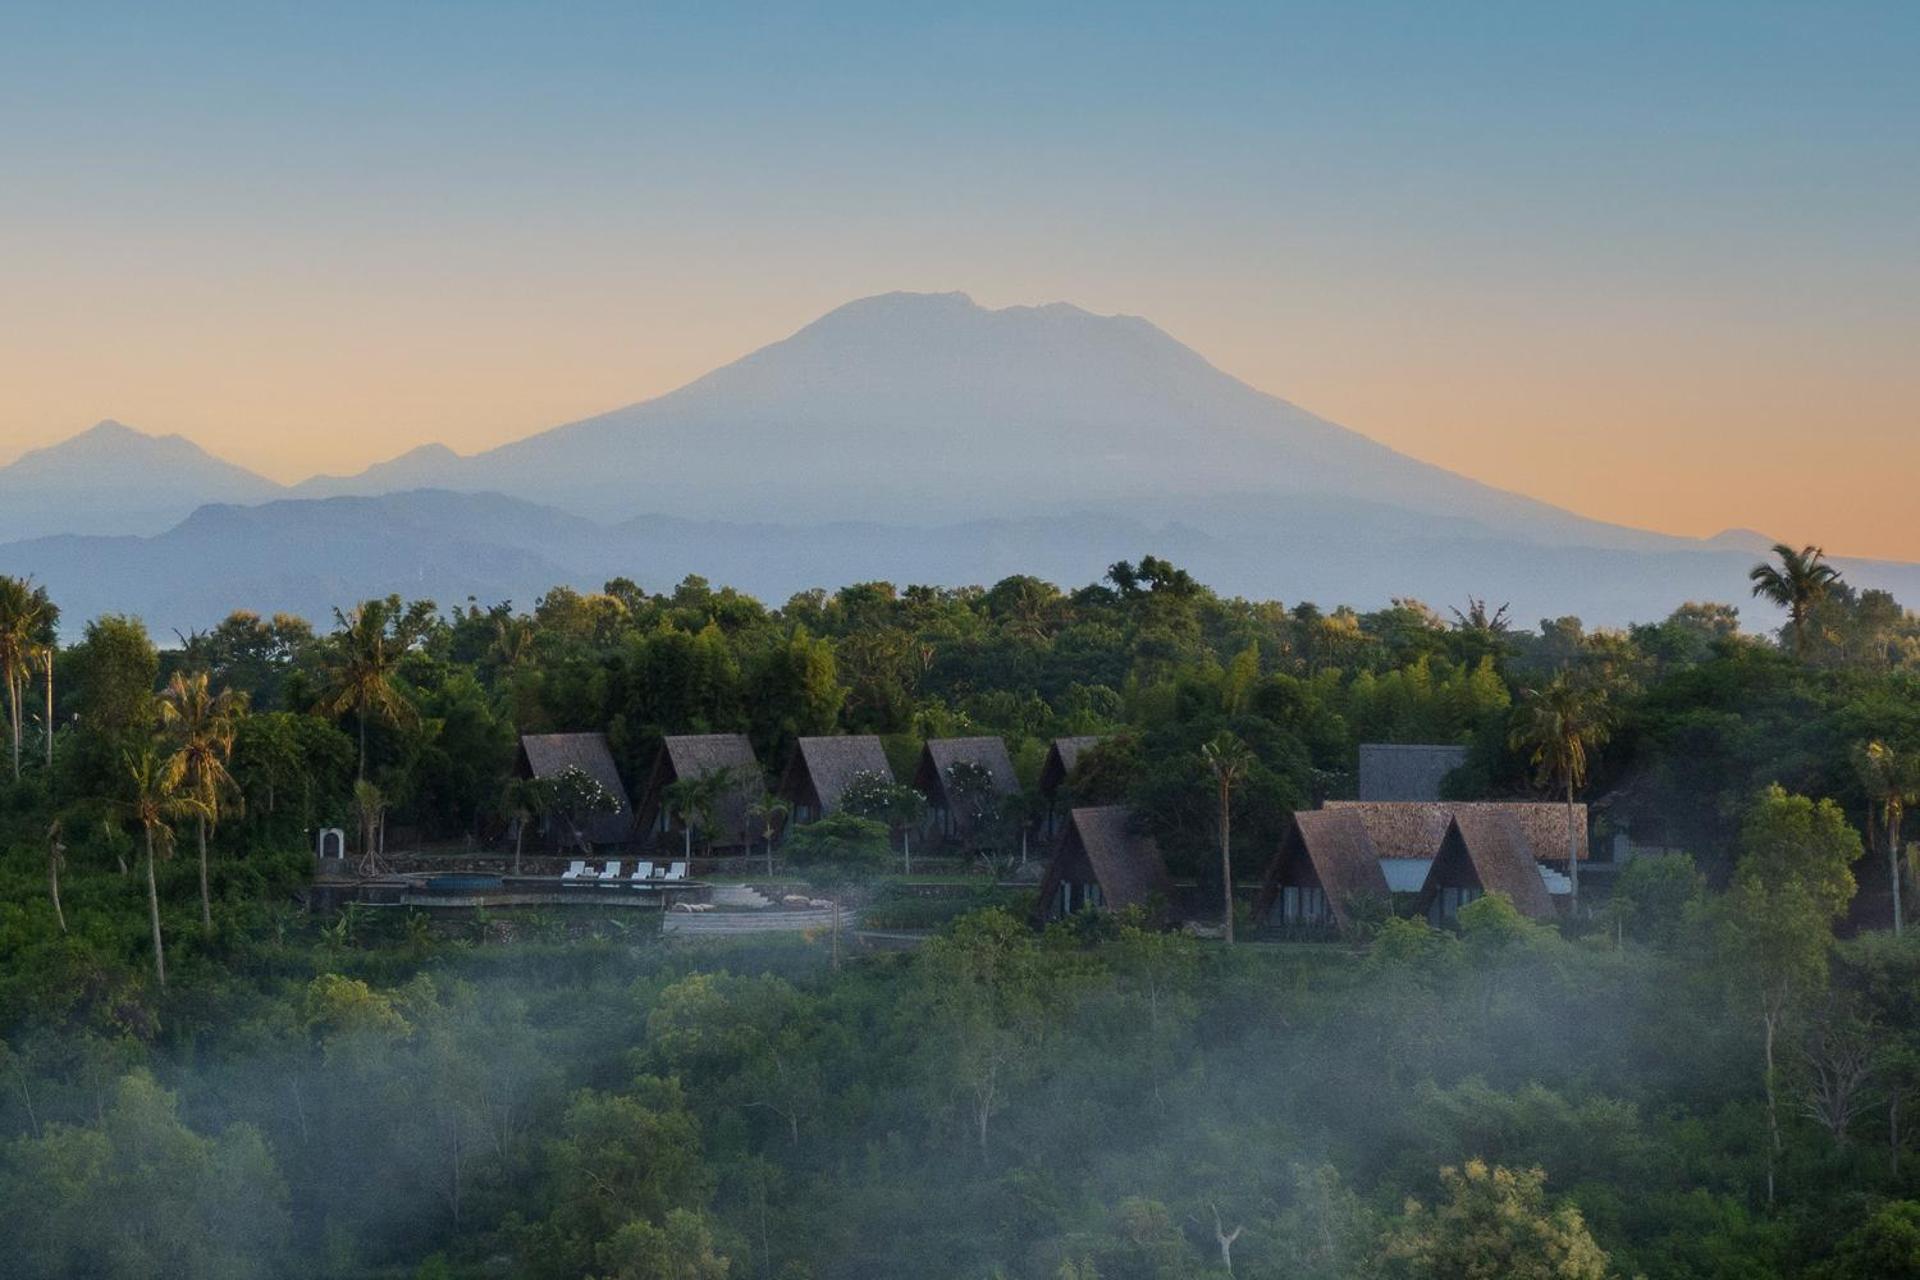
(699, 755)
(933, 777)
(548, 755)
(1416, 829)
(820, 768)
(1105, 862)
(1326, 867)
(1485, 850)
(1062, 756)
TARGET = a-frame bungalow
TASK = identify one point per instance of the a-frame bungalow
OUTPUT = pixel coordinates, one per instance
(1327, 868)
(1062, 757)
(546, 756)
(684, 757)
(1104, 862)
(1485, 850)
(820, 769)
(952, 814)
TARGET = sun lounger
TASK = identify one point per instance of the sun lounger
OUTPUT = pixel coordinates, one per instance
(612, 871)
(678, 871)
(642, 871)
(576, 872)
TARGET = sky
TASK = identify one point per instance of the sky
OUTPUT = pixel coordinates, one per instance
(1658, 263)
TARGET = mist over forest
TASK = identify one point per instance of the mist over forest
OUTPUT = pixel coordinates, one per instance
(1700, 1067)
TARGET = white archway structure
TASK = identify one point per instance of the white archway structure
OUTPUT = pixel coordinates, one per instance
(339, 838)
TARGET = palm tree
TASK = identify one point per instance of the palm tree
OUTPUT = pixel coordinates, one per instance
(770, 811)
(154, 801)
(47, 644)
(693, 801)
(1229, 759)
(203, 724)
(1892, 780)
(367, 655)
(1801, 580)
(526, 799)
(22, 612)
(1560, 726)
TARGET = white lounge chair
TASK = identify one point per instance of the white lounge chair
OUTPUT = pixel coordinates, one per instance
(642, 871)
(612, 871)
(576, 871)
(678, 871)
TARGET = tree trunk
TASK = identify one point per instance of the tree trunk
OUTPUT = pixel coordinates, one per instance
(1894, 852)
(362, 717)
(769, 851)
(1573, 853)
(519, 840)
(1768, 1020)
(49, 682)
(906, 850)
(53, 887)
(13, 715)
(153, 914)
(1226, 859)
(206, 898)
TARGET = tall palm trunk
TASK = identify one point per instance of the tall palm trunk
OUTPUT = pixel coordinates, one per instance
(362, 717)
(1573, 851)
(153, 914)
(13, 714)
(1894, 852)
(1226, 860)
(53, 882)
(206, 898)
(49, 684)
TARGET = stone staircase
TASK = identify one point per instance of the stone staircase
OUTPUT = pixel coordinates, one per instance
(739, 895)
(719, 923)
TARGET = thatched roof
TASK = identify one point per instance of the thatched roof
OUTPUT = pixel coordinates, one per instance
(1062, 756)
(548, 755)
(941, 754)
(1415, 830)
(1406, 771)
(1488, 848)
(1335, 844)
(821, 768)
(696, 755)
(1126, 861)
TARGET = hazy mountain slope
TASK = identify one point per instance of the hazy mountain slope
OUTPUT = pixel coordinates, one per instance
(927, 407)
(112, 479)
(307, 556)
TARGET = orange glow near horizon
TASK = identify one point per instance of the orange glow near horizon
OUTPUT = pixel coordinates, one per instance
(1645, 429)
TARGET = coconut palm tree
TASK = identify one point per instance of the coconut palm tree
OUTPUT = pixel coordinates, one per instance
(1892, 780)
(771, 812)
(1229, 760)
(367, 653)
(1560, 726)
(154, 802)
(1801, 580)
(22, 614)
(202, 725)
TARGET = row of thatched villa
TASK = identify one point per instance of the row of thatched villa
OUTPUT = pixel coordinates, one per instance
(956, 775)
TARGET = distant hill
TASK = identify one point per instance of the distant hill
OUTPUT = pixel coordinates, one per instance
(306, 556)
(112, 479)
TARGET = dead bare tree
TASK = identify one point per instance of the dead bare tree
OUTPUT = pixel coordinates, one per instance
(1839, 1064)
(1225, 1237)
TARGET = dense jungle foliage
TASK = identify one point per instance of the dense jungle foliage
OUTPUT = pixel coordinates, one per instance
(1704, 1074)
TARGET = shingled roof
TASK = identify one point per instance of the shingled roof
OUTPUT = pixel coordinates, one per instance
(821, 768)
(941, 754)
(1416, 830)
(1125, 861)
(1061, 759)
(696, 755)
(1335, 844)
(548, 755)
(1406, 770)
(1486, 847)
